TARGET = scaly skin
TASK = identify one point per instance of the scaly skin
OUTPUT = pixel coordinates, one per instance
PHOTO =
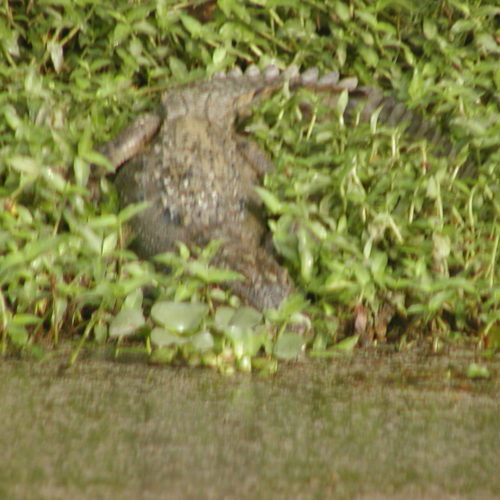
(198, 174)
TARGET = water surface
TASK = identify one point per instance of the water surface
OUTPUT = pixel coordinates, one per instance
(373, 425)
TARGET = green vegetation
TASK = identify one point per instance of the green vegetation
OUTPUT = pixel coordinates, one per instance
(385, 238)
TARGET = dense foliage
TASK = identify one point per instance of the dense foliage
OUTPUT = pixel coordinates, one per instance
(384, 238)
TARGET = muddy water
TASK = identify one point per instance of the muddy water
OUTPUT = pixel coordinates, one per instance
(370, 426)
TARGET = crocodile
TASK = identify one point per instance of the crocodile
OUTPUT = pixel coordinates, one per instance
(198, 174)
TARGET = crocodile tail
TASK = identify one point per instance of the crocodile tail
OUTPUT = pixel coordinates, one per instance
(367, 101)
(226, 96)
(395, 113)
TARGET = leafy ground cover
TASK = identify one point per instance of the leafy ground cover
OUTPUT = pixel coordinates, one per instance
(385, 239)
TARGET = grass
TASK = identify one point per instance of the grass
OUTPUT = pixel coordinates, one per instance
(389, 240)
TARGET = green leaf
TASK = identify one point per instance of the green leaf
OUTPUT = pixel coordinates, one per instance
(245, 341)
(202, 341)
(56, 54)
(25, 319)
(246, 317)
(132, 210)
(194, 27)
(126, 322)
(25, 165)
(475, 370)
(342, 104)
(134, 299)
(120, 33)
(18, 334)
(231, 7)
(370, 56)
(439, 299)
(223, 316)
(210, 274)
(178, 68)
(430, 29)
(179, 317)
(288, 346)
(342, 11)
(271, 201)
(163, 356)
(487, 43)
(219, 56)
(346, 345)
(306, 254)
(162, 338)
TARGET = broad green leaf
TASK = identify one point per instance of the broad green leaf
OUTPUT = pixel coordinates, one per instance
(18, 334)
(223, 316)
(126, 322)
(245, 341)
(288, 346)
(202, 341)
(246, 317)
(25, 165)
(475, 370)
(179, 317)
(430, 29)
(162, 338)
(342, 11)
(194, 27)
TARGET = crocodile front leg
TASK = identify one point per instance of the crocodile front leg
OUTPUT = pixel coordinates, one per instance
(131, 140)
